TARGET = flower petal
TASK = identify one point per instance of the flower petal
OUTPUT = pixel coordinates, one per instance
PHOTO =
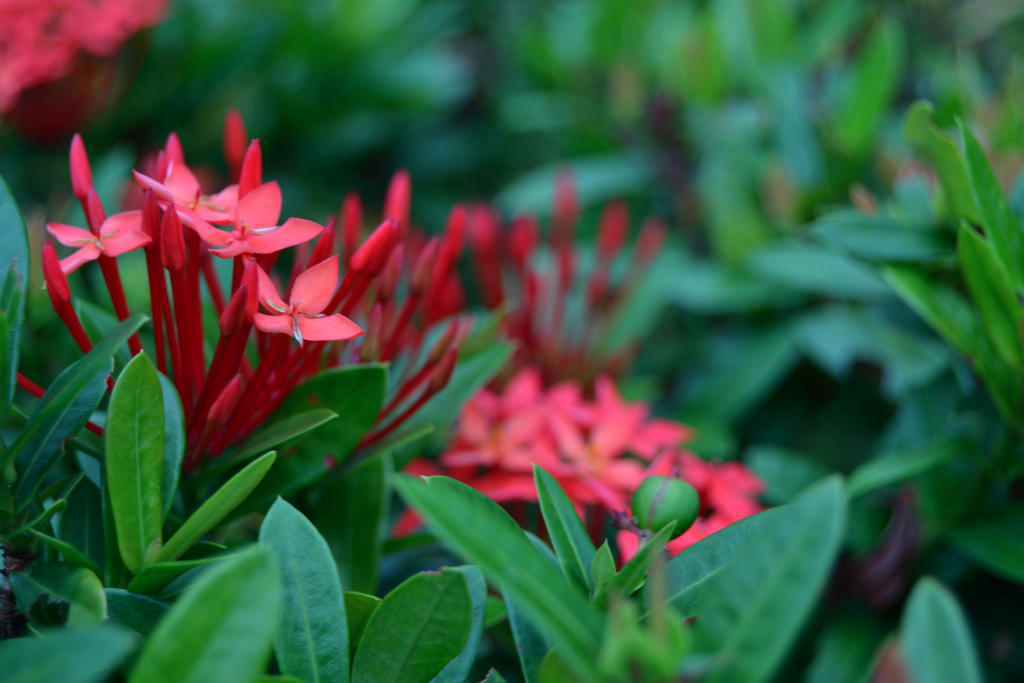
(120, 223)
(329, 328)
(215, 237)
(70, 235)
(314, 287)
(261, 208)
(219, 208)
(89, 252)
(294, 231)
(268, 293)
(273, 323)
(159, 189)
(122, 243)
(183, 184)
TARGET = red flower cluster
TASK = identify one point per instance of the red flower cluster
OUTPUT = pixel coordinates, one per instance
(41, 40)
(396, 284)
(599, 451)
(560, 317)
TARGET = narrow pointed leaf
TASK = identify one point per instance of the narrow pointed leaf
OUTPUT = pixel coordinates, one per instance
(312, 643)
(155, 576)
(174, 443)
(940, 149)
(569, 537)
(935, 641)
(992, 292)
(140, 613)
(891, 468)
(359, 607)
(993, 540)
(457, 670)
(220, 630)
(14, 274)
(634, 573)
(134, 450)
(70, 553)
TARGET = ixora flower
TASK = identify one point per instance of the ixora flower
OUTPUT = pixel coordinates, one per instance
(395, 284)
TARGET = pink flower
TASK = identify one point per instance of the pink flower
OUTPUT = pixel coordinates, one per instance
(302, 316)
(118, 234)
(181, 188)
(255, 227)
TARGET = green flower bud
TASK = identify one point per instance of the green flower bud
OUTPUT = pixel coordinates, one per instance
(660, 500)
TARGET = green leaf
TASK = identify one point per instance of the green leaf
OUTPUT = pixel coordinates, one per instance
(752, 608)
(457, 670)
(602, 568)
(890, 468)
(993, 541)
(67, 551)
(15, 265)
(997, 217)
(156, 575)
(312, 643)
(73, 655)
(935, 641)
(785, 472)
(78, 586)
(221, 629)
(81, 525)
(879, 237)
(134, 451)
(359, 607)
(816, 270)
(36, 457)
(352, 512)
(422, 625)
(280, 433)
(940, 149)
(634, 573)
(993, 295)
(140, 613)
(846, 650)
(216, 507)
(568, 536)
(499, 547)
(174, 443)
(531, 645)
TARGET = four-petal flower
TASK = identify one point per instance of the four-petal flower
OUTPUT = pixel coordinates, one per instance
(118, 234)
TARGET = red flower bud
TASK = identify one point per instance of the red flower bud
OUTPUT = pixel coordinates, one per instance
(235, 140)
(56, 281)
(81, 173)
(233, 318)
(387, 283)
(225, 404)
(399, 197)
(94, 213)
(372, 256)
(251, 175)
(423, 269)
(150, 215)
(522, 240)
(175, 152)
(324, 245)
(351, 224)
(652, 235)
(172, 241)
(451, 245)
(613, 228)
(566, 208)
(443, 373)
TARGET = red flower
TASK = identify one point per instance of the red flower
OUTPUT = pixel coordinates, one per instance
(302, 316)
(119, 234)
(181, 188)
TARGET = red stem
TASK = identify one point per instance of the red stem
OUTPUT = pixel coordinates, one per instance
(112, 276)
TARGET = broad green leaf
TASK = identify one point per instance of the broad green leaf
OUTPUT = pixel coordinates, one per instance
(140, 613)
(359, 607)
(220, 630)
(879, 237)
(78, 586)
(496, 544)
(993, 295)
(157, 575)
(134, 451)
(312, 643)
(70, 553)
(785, 472)
(457, 670)
(935, 641)
(754, 606)
(568, 536)
(73, 655)
(174, 443)
(940, 149)
(352, 512)
(38, 455)
(890, 468)
(531, 645)
(994, 541)
(15, 265)
(816, 270)
(422, 625)
(1000, 224)
(634, 573)
(81, 525)
(216, 507)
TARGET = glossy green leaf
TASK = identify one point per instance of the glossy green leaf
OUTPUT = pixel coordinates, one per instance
(312, 643)
(422, 625)
(359, 607)
(993, 540)
(174, 443)
(940, 149)
(68, 552)
(77, 586)
(1000, 224)
(156, 575)
(891, 468)
(140, 613)
(634, 573)
(15, 266)
(568, 536)
(602, 568)
(134, 451)
(993, 295)
(353, 513)
(281, 432)
(458, 669)
(221, 629)
(531, 645)
(496, 544)
(81, 525)
(753, 607)
(216, 507)
(935, 641)
(40, 453)
(73, 655)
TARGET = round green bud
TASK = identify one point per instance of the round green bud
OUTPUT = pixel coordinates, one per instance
(660, 500)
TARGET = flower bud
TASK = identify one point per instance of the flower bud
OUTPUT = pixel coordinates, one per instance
(660, 500)
(175, 152)
(81, 173)
(351, 224)
(56, 282)
(373, 255)
(235, 140)
(251, 175)
(399, 197)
